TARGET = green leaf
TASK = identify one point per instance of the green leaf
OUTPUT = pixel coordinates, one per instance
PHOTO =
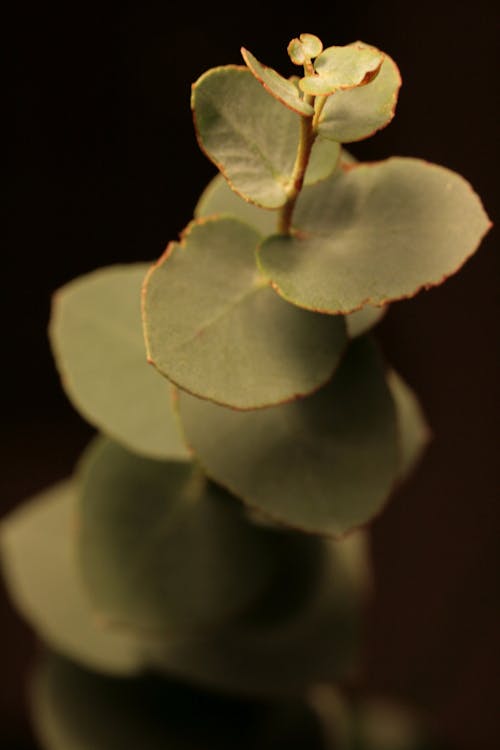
(324, 464)
(304, 48)
(78, 710)
(37, 544)
(282, 89)
(363, 320)
(340, 68)
(250, 137)
(413, 429)
(97, 340)
(155, 541)
(358, 113)
(374, 234)
(218, 198)
(317, 642)
(216, 329)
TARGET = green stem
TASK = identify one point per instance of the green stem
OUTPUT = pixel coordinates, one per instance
(307, 138)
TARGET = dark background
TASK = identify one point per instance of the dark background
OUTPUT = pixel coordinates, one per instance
(103, 167)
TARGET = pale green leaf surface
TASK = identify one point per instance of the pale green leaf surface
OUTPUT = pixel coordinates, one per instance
(363, 320)
(323, 160)
(214, 327)
(358, 113)
(317, 642)
(218, 198)
(40, 570)
(97, 340)
(250, 136)
(281, 88)
(339, 68)
(414, 431)
(155, 540)
(324, 464)
(374, 234)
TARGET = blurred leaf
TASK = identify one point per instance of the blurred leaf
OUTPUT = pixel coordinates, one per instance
(317, 642)
(37, 544)
(377, 233)
(413, 429)
(155, 541)
(358, 113)
(324, 464)
(361, 321)
(78, 710)
(340, 68)
(282, 89)
(98, 344)
(215, 328)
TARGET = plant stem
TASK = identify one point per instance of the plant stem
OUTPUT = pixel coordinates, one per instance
(307, 138)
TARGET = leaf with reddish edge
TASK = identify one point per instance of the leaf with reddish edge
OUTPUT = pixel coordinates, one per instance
(374, 234)
(341, 68)
(358, 113)
(281, 88)
(324, 464)
(238, 343)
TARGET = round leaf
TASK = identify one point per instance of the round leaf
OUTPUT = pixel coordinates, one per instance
(374, 234)
(155, 541)
(97, 340)
(217, 330)
(37, 544)
(249, 135)
(282, 89)
(324, 464)
(340, 68)
(318, 642)
(304, 48)
(358, 113)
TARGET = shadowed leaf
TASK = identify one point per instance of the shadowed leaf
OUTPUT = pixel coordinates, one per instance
(216, 329)
(324, 464)
(79, 710)
(39, 565)
(318, 642)
(413, 429)
(377, 233)
(97, 340)
(155, 541)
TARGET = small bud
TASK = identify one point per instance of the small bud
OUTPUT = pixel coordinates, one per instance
(303, 49)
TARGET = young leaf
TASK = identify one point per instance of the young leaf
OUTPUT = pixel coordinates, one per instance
(303, 49)
(250, 137)
(378, 233)
(215, 328)
(97, 340)
(339, 68)
(155, 541)
(324, 464)
(358, 113)
(281, 88)
(319, 642)
(37, 545)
